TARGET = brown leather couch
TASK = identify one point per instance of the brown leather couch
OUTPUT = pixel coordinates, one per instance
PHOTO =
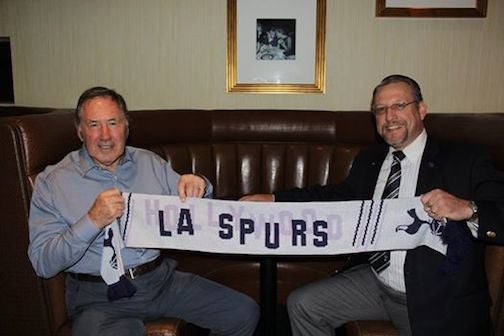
(241, 152)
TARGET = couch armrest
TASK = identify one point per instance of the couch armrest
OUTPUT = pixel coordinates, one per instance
(370, 328)
(162, 327)
(165, 327)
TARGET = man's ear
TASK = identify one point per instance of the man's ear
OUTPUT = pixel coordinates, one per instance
(79, 134)
(422, 108)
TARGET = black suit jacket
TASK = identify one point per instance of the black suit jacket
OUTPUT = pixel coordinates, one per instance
(440, 302)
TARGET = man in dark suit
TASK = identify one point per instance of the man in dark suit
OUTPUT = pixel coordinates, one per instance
(422, 291)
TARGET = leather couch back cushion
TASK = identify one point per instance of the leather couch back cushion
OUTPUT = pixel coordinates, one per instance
(240, 168)
(227, 146)
(239, 151)
(485, 129)
(43, 147)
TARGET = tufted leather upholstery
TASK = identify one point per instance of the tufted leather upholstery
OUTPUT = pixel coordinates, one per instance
(241, 152)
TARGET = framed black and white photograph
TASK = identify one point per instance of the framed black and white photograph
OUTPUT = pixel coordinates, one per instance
(431, 8)
(276, 39)
(276, 46)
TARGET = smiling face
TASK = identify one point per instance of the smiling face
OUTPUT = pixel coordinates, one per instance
(103, 128)
(399, 128)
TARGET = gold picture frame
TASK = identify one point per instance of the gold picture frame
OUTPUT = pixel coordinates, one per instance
(250, 70)
(453, 8)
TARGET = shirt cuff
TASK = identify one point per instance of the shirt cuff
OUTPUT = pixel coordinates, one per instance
(473, 227)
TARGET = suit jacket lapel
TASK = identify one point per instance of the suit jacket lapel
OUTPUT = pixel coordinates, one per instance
(429, 176)
(375, 162)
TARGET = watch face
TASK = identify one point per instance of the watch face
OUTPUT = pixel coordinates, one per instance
(474, 208)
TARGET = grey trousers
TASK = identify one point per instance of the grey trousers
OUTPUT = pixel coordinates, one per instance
(319, 308)
(163, 292)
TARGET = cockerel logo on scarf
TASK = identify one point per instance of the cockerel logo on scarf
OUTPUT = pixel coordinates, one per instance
(436, 227)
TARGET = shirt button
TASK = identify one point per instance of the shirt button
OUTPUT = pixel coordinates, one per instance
(491, 234)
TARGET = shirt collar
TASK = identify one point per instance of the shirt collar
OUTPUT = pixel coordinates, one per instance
(415, 149)
(87, 164)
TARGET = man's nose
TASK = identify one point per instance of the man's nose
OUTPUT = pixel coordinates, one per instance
(105, 132)
(390, 113)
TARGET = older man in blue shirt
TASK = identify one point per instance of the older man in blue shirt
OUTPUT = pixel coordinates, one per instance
(74, 200)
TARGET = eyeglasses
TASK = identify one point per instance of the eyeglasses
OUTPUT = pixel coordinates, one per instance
(381, 110)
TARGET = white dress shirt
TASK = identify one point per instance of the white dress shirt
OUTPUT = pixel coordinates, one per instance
(393, 276)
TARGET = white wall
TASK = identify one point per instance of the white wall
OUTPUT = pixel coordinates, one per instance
(172, 54)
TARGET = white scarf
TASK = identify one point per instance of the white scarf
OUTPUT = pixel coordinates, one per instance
(283, 228)
(112, 268)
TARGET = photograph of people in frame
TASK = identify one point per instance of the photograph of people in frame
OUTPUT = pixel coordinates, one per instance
(276, 39)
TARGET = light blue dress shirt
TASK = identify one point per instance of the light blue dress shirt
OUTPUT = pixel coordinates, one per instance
(62, 237)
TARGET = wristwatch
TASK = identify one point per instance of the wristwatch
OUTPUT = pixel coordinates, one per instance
(474, 216)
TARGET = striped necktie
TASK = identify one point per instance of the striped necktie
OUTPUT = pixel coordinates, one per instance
(381, 260)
